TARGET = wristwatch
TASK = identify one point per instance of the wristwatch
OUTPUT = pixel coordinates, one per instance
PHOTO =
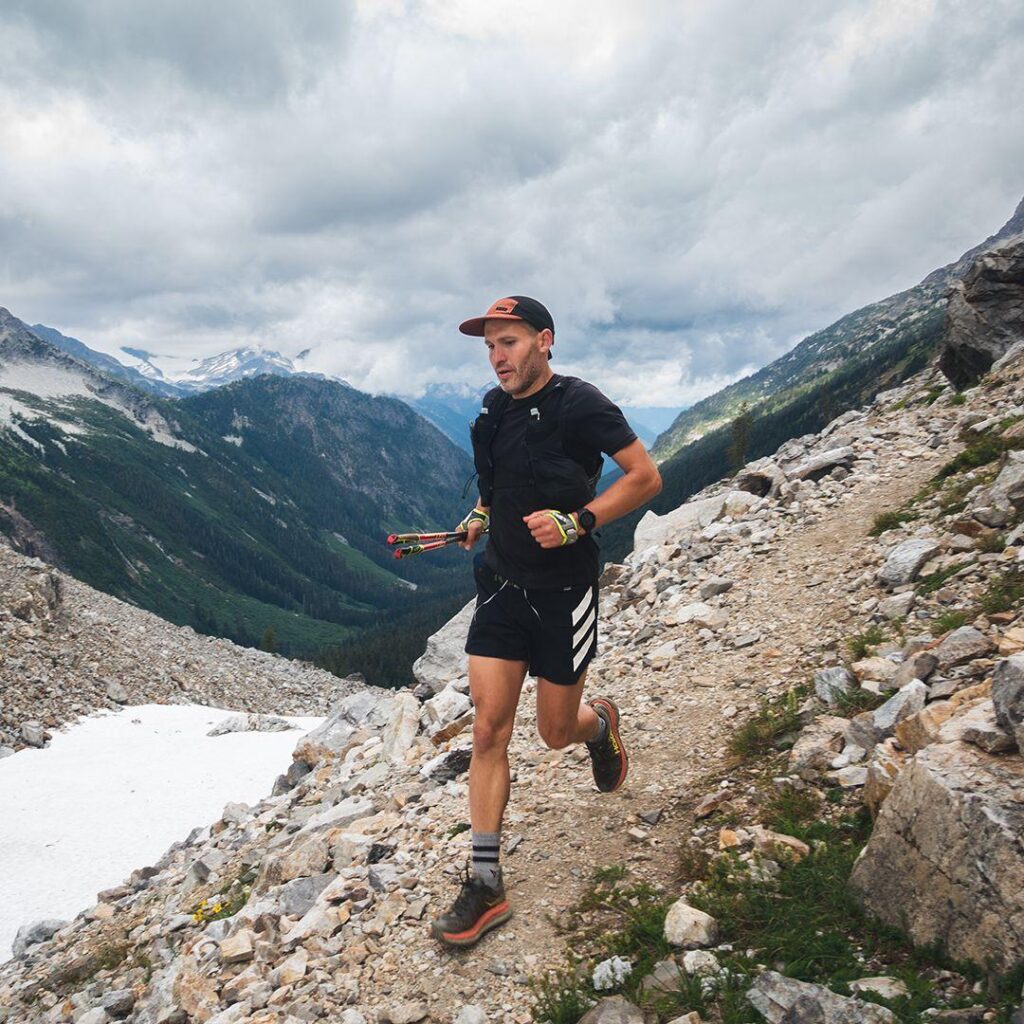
(586, 519)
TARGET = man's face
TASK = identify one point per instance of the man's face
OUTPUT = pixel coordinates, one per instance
(518, 353)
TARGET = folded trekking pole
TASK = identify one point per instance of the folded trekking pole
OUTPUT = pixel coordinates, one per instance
(418, 543)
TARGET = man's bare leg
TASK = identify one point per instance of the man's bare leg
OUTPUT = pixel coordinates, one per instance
(563, 720)
(561, 717)
(495, 686)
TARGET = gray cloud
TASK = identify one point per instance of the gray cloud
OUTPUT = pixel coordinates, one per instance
(690, 187)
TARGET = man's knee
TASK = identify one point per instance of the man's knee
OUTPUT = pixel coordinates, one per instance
(556, 735)
(490, 734)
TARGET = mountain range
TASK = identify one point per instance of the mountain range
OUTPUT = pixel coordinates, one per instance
(450, 407)
(261, 505)
(249, 498)
(883, 335)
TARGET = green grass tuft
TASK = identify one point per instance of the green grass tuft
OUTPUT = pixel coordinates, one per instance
(890, 520)
(932, 582)
(950, 620)
(759, 734)
(980, 451)
(609, 875)
(858, 700)
(863, 644)
(1005, 592)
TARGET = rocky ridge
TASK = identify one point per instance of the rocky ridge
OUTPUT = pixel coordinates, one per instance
(67, 650)
(312, 904)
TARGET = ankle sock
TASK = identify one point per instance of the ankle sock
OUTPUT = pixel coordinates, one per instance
(602, 730)
(487, 857)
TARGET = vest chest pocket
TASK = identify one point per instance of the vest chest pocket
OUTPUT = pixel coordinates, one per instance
(562, 481)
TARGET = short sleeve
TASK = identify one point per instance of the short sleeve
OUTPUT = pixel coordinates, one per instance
(594, 422)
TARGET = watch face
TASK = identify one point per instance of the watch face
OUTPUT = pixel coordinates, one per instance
(587, 519)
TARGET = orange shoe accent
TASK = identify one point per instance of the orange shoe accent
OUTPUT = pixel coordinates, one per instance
(613, 731)
(491, 919)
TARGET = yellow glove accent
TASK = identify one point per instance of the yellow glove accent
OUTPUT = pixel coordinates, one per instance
(566, 523)
(478, 515)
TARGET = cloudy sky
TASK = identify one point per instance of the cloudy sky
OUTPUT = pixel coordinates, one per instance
(690, 185)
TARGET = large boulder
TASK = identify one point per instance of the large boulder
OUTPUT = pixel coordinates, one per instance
(690, 518)
(38, 931)
(902, 704)
(689, 927)
(613, 1010)
(782, 1000)
(833, 683)
(817, 745)
(944, 861)
(402, 728)
(985, 315)
(814, 467)
(445, 659)
(761, 477)
(1004, 494)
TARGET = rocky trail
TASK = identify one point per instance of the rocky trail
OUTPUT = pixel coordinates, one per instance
(313, 904)
(676, 723)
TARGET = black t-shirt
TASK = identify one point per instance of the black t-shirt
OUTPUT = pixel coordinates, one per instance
(592, 424)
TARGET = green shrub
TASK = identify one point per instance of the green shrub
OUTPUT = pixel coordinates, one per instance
(857, 700)
(991, 543)
(980, 451)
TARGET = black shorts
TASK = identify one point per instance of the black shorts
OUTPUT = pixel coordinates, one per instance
(553, 631)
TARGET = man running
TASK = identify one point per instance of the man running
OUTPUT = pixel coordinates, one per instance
(537, 446)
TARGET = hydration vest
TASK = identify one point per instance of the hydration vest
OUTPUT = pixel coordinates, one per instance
(563, 481)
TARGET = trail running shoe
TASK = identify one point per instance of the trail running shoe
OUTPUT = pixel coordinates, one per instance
(477, 909)
(608, 757)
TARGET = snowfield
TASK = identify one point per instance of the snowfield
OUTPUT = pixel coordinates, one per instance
(112, 793)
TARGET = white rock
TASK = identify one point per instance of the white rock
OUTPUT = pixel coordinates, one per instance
(690, 518)
(689, 927)
(402, 728)
(445, 658)
(611, 973)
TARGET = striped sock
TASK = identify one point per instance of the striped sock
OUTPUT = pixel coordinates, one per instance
(486, 857)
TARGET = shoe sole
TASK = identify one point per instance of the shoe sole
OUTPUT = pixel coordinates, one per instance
(613, 727)
(491, 919)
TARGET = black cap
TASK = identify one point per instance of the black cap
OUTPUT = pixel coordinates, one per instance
(515, 307)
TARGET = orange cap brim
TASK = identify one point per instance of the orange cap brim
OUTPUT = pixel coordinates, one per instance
(475, 326)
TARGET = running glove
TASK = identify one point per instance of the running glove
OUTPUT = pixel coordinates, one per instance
(566, 523)
(478, 515)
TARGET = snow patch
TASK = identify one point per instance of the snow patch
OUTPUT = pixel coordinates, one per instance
(56, 383)
(233, 439)
(111, 794)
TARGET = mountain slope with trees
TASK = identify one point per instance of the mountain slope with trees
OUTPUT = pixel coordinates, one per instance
(257, 512)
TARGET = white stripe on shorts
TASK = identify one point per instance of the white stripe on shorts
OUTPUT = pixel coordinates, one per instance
(581, 609)
(587, 623)
(585, 649)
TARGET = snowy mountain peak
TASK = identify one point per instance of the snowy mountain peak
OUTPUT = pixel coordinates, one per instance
(237, 364)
